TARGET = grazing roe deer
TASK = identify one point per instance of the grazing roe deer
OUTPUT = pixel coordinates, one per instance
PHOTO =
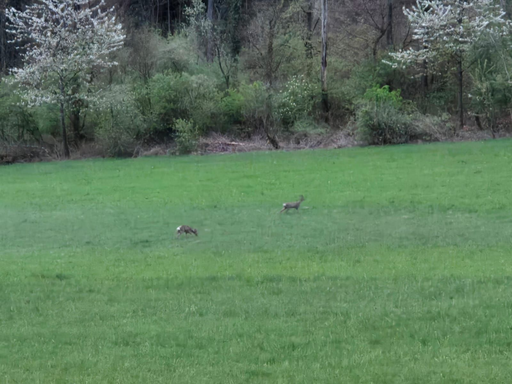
(296, 205)
(186, 230)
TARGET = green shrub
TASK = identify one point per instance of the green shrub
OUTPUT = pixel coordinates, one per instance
(382, 95)
(17, 123)
(306, 129)
(47, 117)
(178, 54)
(232, 107)
(383, 117)
(259, 110)
(308, 126)
(203, 100)
(491, 94)
(257, 107)
(187, 136)
(246, 109)
(383, 123)
(295, 101)
(187, 97)
(352, 82)
(119, 123)
(430, 127)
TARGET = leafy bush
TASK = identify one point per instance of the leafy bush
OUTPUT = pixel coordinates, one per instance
(232, 107)
(382, 123)
(47, 117)
(258, 111)
(119, 123)
(383, 117)
(258, 106)
(187, 97)
(308, 126)
(17, 122)
(349, 83)
(430, 127)
(382, 95)
(491, 94)
(187, 136)
(438, 100)
(177, 52)
(203, 100)
(306, 129)
(295, 100)
(255, 103)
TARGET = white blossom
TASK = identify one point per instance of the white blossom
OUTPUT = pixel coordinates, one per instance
(67, 40)
(449, 27)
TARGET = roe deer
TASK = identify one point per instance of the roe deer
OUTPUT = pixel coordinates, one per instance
(186, 230)
(296, 205)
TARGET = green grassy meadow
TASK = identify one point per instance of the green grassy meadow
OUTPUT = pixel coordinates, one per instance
(396, 269)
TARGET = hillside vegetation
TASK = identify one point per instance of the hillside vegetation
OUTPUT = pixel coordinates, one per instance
(165, 76)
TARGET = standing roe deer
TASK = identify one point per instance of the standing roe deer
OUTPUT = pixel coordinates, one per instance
(185, 229)
(296, 205)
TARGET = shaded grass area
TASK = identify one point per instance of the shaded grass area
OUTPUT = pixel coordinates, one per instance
(397, 268)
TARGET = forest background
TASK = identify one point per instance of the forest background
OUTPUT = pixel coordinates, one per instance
(234, 75)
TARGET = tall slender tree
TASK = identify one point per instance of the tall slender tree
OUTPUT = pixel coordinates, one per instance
(389, 31)
(209, 48)
(325, 96)
(309, 28)
(3, 38)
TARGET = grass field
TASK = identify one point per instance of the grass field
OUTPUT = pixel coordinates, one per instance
(397, 268)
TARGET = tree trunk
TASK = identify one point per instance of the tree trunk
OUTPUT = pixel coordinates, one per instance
(308, 44)
(389, 34)
(503, 4)
(65, 146)
(460, 78)
(325, 97)
(76, 128)
(169, 17)
(225, 72)
(459, 68)
(158, 13)
(272, 139)
(309, 18)
(479, 122)
(377, 41)
(268, 123)
(269, 70)
(3, 41)
(209, 48)
(424, 78)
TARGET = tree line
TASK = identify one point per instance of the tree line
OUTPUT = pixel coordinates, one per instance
(129, 74)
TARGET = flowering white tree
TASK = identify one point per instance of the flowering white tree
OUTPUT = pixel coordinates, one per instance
(446, 30)
(68, 39)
